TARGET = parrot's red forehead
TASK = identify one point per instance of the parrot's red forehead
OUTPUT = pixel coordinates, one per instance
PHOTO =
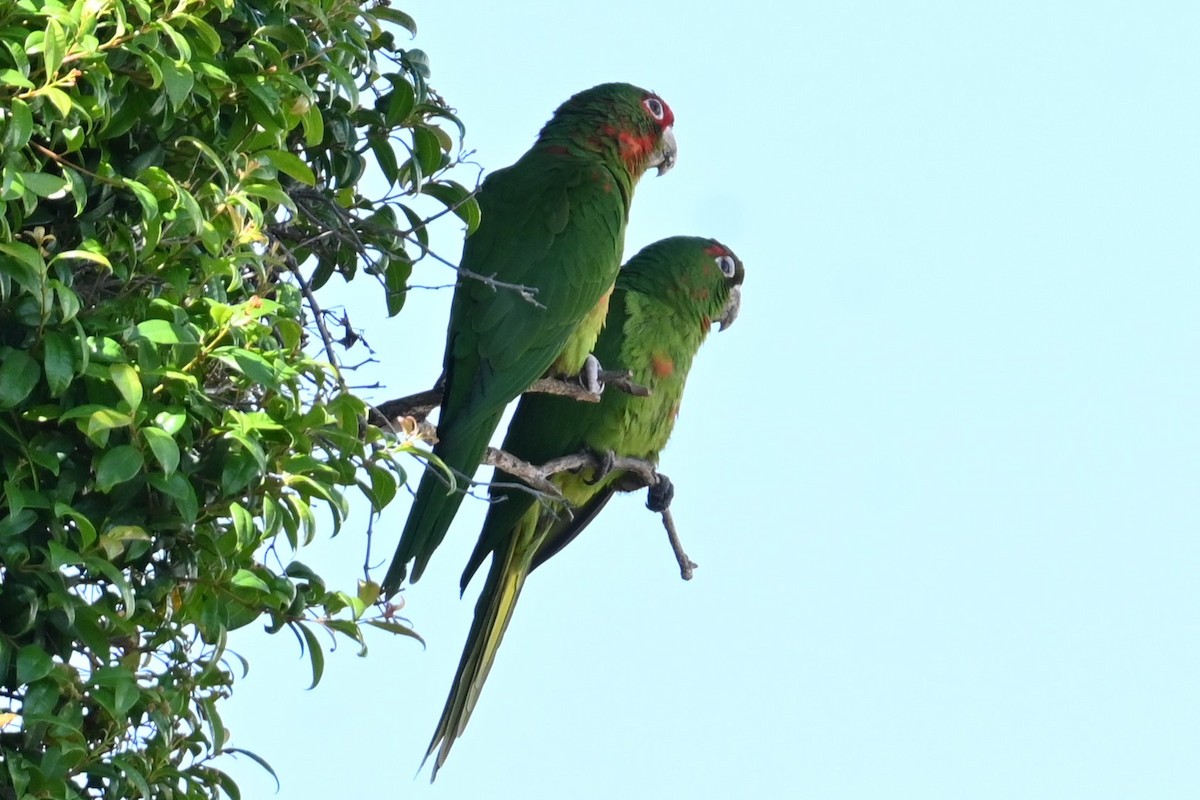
(716, 250)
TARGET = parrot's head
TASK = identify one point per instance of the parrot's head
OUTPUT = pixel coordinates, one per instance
(619, 122)
(700, 278)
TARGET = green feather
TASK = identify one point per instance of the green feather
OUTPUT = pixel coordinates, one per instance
(553, 222)
(661, 310)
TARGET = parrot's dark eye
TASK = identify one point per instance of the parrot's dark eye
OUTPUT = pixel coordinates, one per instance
(655, 107)
(727, 266)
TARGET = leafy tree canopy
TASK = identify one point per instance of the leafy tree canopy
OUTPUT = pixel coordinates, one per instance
(177, 181)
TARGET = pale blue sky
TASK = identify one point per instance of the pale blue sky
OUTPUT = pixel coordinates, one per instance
(940, 477)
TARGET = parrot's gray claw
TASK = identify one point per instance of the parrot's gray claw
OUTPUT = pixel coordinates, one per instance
(589, 376)
(660, 495)
(607, 461)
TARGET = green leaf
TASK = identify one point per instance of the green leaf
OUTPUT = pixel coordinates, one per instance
(53, 47)
(21, 126)
(25, 265)
(33, 663)
(314, 126)
(257, 759)
(83, 255)
(396, 16)
(395, 280)
(87, 531)
(270, 192)
(396, 628)
(290, 164)
(180, 490)
(115, 539)
(209, 154)
(126, 379)
(118, 465)
(19, 373)
(165, 451)
(59, 99)
(315, 654)
(243, 525)
(59, 361)
(400, 102)
(144, 197)
(247, 579)
(252, 365)
(385, 157)
(43, 184)
(127, 764)
(12, 525)
(208, 36)
(101, 421)
(383, 486)
(368, 592)
(171, 421)
(178, 80)
(458, 199)
(11, 77)
(159, 331)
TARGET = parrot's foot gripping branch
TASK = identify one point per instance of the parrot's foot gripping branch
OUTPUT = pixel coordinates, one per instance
(589, 376)
(639, 474)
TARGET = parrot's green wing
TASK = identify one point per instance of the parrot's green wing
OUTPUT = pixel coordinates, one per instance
(545, 427)
(553, 223)
(663, 306)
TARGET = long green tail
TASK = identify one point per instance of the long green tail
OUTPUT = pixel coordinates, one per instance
(493, 611)
(435, 505)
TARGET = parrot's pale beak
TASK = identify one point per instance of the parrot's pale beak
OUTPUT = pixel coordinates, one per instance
(732, 306)
(664, 157)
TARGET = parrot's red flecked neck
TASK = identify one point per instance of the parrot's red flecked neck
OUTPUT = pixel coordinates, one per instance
(636, 149)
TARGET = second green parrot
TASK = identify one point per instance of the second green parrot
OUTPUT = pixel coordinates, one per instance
(665, 301)
(553, 222)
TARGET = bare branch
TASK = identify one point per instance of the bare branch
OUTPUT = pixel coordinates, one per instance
(640, 474)
(414, 405)
(535, 477)
(318, 315)
(527, 293)
(419, 405)
(686, 565)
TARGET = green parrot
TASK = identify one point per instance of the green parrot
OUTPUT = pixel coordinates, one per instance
(664, 303)
(554, 222)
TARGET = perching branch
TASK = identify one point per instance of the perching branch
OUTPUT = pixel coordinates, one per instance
(420, 404)
(640, 474)
(410, 413)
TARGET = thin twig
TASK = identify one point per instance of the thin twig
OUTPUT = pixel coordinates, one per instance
(686, 565)
(318, 316)
(527, 293)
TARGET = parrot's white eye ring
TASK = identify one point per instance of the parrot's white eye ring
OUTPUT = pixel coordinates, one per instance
(727, 266)
(655, 107)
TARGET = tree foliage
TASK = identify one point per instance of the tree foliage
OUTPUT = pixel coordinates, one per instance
(176, 181)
